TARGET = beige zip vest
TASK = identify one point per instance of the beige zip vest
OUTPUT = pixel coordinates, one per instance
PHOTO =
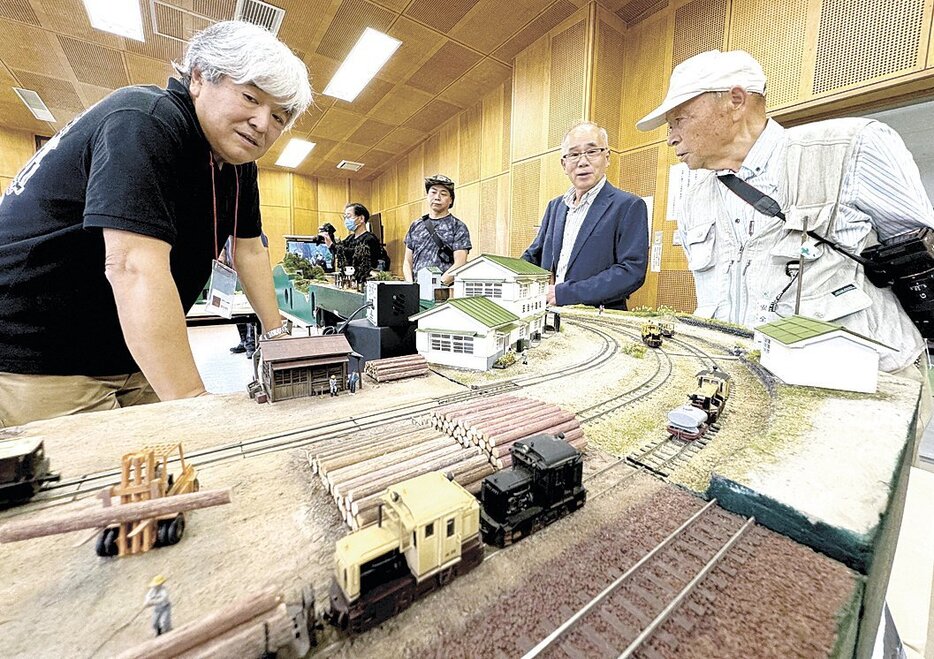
(743, 283)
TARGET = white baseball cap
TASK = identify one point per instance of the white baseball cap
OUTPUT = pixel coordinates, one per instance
(712, 71)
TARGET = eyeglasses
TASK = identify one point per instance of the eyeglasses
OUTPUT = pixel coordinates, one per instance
(574, 157)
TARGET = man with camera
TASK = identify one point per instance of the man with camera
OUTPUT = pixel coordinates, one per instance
(784, 209)
(438, 238)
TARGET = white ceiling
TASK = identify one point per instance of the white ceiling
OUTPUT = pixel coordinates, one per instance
(915, 124)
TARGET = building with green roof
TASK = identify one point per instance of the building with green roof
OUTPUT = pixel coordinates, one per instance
(815, 353)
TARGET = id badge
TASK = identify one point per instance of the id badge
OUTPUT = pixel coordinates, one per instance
(221, 289)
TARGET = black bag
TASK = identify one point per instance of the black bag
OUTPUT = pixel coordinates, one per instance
(445, 253)
(384, 257)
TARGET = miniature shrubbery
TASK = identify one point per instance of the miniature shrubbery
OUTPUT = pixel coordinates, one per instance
(506, 359)
(636, 350)
(303, 269)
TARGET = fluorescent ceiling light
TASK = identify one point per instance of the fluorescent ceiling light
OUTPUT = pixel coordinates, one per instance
(295, 152)
(35, 104)
(364, 61)
(116, 16)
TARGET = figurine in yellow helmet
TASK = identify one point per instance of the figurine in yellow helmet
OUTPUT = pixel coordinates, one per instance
(158, 598)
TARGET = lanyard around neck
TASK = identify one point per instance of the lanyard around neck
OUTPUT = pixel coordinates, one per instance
(233, 242)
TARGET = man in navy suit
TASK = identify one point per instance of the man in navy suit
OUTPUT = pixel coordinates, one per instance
(594, 238)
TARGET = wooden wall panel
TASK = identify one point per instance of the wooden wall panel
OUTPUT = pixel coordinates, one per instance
(304, 192)
(525, 205)
(862, 41)
(494, 131)
(333, 195)
(16, 148)
(608, 79)
(567, 89)
(277, 222)
(530, 101)
(776, 37)
(647, 65)
(700, 25)
(448, 161)
(469, 122)
(275, 188)
(415, 179)
(304, 222)
(361, 192)
(467, 208)
(493, 236)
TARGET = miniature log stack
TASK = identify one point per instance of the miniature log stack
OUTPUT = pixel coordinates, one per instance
(251, 627)
(356, 473)
(494, 424)
(396, 368)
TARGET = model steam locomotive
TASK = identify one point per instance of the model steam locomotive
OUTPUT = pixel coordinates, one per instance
(692, 420)
(429, 530)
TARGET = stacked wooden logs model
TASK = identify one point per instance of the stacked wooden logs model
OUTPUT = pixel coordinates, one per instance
(494, 424)
(357, 472)
(396, 368)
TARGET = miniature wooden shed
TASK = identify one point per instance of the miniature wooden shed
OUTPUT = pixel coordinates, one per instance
(302, 365)
(815, 353)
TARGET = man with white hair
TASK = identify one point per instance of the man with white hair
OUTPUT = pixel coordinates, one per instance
(593, 238)
(775, 196)
(107, 235)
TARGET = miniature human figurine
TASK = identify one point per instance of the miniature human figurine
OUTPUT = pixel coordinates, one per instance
(352, 381)
(332, 383)
(158, 597)
(525, 357)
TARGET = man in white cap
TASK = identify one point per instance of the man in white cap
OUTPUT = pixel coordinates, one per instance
(850, 182)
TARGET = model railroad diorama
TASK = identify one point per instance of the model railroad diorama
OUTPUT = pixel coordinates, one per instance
(24, 470)
(421, 506)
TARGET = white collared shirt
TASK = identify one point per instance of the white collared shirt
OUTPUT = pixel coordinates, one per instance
(572, 224)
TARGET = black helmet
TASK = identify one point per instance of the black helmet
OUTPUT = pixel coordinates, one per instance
(440, 179)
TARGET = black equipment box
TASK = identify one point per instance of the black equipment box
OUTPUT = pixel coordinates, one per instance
(391, 303)
(380, 342)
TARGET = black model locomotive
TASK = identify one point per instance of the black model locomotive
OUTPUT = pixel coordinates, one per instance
(24, 469)
(543, 484)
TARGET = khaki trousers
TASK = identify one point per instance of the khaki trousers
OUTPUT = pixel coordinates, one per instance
(25, 398)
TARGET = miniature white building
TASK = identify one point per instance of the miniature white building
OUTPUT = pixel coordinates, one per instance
(514, 284)
(469, 333)
(429, 280)
(814, 353)
(498, 304)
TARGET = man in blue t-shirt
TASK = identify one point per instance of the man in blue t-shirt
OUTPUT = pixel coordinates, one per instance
(107, 235)
(437, 238)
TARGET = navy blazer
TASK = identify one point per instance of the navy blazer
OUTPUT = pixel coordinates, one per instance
(609, 257)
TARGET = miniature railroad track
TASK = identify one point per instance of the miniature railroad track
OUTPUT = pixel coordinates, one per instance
(626, 614)
(663, 456)
(768, 380)
(90, 484)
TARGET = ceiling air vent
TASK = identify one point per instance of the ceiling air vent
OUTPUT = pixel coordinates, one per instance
(350, 165)
(35, 104)
(260, 13)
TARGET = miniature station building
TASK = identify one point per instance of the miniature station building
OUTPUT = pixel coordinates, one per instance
(498, 305)
(429, 284)
(301, 366)
(814, 353)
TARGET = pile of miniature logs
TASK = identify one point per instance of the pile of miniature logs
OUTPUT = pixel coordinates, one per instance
(494, 424)
(251, 627)
(357, 472)
(396, 368)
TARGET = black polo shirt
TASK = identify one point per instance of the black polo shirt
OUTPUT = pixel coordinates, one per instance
(137, 161)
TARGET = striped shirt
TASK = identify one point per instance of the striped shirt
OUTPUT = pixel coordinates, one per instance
(572, 225)
(881, 180)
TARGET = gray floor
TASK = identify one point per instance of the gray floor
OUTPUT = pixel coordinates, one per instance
(222, 371)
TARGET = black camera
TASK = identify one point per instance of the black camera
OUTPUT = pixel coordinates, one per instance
(906, 263)
(316, 240)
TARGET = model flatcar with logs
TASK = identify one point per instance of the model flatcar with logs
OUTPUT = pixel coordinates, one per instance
(704, 407)
(24, 469)
(651, 335)
(543, 485)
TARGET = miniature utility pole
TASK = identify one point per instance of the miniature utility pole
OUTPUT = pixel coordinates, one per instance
(804, 236)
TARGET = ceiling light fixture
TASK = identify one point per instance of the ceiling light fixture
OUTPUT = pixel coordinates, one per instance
(121, 17)
(295, 152)
(372, 50)
(36, 105)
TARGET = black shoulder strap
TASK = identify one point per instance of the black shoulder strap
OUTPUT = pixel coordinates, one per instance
(767, 206)
(429, 225)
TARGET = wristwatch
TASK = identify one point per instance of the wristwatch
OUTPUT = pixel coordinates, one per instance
(286, 328)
